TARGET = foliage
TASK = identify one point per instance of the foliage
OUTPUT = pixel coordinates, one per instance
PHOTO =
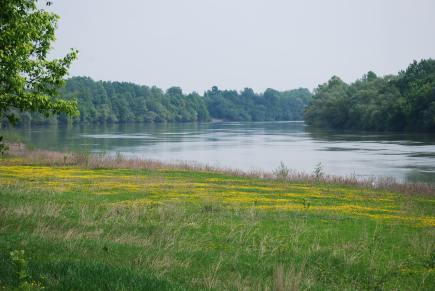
(22, 270)
(402, 102)
(3, 147)
(28, 80)
(318, 171)
(281, 172)
(120, 102)
(248, 106)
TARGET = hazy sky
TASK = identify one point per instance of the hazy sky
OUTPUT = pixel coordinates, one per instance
(281, 44)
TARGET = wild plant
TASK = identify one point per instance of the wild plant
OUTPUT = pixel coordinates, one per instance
(82, 158)
(3, 148)
(281, 172)
(25, 282)
(118, 157)
(306, 203)
(318, 171)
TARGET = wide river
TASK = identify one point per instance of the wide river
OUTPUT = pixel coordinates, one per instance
(262, 145)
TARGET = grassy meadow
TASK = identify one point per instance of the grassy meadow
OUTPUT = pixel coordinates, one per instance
(71, 224)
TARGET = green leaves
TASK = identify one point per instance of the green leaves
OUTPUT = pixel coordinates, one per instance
(28, 80)
(403, 102)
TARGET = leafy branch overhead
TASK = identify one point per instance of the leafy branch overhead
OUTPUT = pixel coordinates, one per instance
(28, 80)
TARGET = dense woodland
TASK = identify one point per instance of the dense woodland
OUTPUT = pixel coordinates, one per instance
(405, 101)
(120, 102)
(396, 102)
(248, 106)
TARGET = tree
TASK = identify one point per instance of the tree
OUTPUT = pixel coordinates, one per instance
(399, 102)
(28, 80)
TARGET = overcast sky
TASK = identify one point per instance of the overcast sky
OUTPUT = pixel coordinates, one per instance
(280, 44)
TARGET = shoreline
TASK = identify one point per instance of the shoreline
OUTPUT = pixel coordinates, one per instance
(118, 161)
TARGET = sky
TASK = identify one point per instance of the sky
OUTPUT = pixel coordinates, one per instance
(233, 44)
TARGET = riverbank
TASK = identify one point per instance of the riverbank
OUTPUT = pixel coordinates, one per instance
(96, 222)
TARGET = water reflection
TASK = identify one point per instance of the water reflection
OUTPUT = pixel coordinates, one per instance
(260, 145)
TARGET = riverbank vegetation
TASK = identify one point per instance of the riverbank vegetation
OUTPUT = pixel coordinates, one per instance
(390, 103)
(395, 102)
(80, 221)
(121, 102)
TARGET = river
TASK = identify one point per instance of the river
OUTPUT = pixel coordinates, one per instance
(243, 145)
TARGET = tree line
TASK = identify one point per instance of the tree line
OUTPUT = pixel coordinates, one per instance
(122, 102)
(405, 101)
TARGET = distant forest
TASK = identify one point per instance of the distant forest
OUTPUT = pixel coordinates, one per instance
(396, 102)
(121, 102)
(402, 102)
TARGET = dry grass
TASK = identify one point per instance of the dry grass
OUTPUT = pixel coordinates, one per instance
(288, 280)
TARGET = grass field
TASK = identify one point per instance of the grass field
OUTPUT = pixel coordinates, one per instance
(86, 228)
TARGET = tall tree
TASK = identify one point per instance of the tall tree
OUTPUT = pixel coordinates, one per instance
(28, 80)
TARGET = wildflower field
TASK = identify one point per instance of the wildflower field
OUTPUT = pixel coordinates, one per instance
(78, 227)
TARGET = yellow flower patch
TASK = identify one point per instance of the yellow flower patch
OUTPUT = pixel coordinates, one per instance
(263, 195)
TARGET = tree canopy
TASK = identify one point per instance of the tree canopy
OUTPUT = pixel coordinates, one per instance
(121, 102)
(28, 80)
(272, 105)
(396, 102)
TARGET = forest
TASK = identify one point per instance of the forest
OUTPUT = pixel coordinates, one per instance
(121, 102)
(402, 102)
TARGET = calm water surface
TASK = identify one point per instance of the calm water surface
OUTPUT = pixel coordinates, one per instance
(407, 157)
